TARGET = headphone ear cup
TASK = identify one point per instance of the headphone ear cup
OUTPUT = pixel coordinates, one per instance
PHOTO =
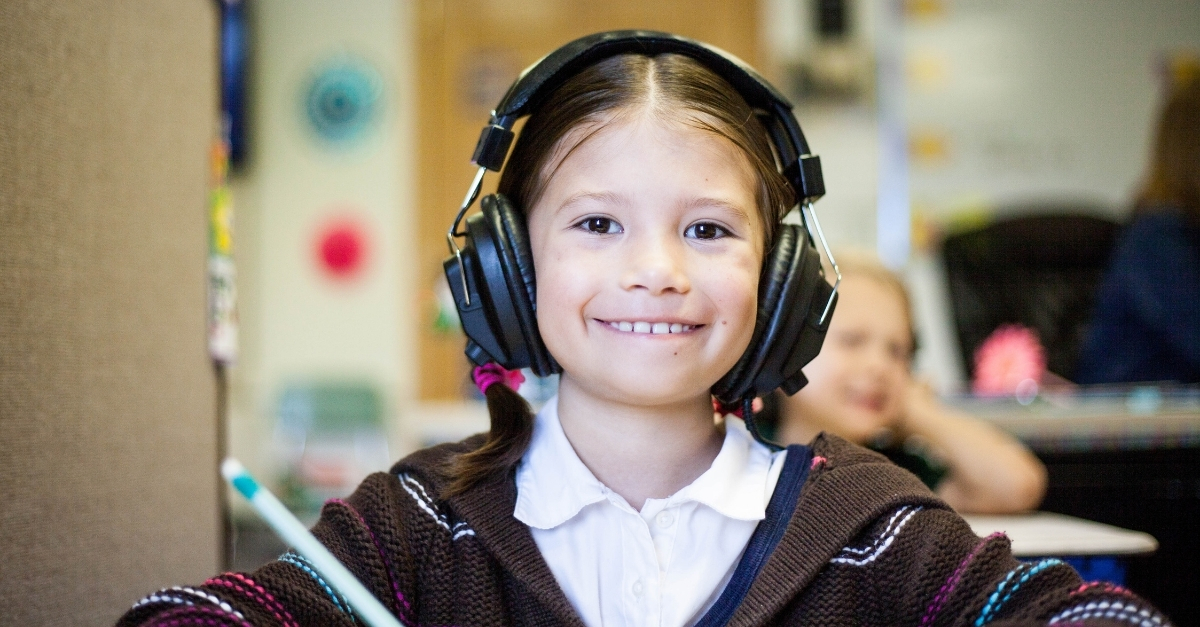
(515, 265)
(787, 334)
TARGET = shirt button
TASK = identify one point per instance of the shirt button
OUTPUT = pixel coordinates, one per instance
(638, 588)
(664, 519)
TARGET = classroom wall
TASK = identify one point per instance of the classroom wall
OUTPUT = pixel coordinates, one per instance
(845, 135)
(1006, 102)
(1019, 101)
(301, 326)
(980, 109)
(108, 486)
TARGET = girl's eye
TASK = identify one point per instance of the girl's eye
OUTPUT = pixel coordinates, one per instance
(851, 339)
(899, 352)
(705, 230)
(604, 226)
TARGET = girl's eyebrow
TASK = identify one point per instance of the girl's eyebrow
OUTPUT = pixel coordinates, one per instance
(719, 203)
(608, 198)
(613, 198)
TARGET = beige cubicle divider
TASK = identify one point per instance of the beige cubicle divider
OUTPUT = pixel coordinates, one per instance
(108, 483)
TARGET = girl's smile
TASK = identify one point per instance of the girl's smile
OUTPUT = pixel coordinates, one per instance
(648, 249)
(654, 328)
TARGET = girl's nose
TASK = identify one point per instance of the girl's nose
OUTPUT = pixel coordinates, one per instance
(870, 359)
(657, 265)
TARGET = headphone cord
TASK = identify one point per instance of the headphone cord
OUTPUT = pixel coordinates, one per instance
(752, 424)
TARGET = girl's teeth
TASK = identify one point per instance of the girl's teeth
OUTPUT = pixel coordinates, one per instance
(657, 328)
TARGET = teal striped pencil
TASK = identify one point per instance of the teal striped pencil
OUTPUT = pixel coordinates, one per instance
(293, 532)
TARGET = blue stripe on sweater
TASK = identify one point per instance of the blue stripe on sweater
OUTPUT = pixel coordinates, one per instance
(301, 562)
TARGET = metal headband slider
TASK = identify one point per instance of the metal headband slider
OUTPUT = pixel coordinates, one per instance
(469, 200)
(812, 223)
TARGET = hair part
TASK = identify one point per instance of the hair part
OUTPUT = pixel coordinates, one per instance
(671, 86)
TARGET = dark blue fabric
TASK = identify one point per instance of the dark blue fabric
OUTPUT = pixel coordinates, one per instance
(765, 537)
(1147, 319)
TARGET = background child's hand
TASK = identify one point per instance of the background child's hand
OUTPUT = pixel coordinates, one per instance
(920, 408)
(990, 471)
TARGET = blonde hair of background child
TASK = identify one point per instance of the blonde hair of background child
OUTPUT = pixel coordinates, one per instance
(865, 263)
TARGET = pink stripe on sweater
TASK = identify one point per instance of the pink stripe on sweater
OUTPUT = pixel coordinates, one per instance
(195, 615)
(1104, 586)
(256, 593)
(939, 600)
(404, 607)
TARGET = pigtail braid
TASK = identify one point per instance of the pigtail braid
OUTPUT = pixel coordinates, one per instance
(509, 436)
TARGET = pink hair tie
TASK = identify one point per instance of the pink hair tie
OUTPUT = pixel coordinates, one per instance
(735, 408)
(726, 409)
(486, 375)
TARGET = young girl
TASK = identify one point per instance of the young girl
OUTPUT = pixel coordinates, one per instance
(651, 195)
(860, 388)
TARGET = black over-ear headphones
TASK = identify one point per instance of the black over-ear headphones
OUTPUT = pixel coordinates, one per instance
(491, 276)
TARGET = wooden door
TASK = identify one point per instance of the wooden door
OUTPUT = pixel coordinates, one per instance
(469, 51)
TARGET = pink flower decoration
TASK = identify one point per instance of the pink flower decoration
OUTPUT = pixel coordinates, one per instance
(1008, 358)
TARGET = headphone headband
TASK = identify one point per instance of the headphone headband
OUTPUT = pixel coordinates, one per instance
(541, 79)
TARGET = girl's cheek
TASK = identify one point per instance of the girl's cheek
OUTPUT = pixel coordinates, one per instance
(741, 271)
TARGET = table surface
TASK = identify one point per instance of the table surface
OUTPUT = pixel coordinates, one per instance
(1045, 534)
(1097, 418)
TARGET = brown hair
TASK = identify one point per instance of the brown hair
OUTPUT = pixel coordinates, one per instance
(1174, 177)
(673, 86)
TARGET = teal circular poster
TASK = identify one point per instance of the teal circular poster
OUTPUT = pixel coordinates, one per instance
(343, 100)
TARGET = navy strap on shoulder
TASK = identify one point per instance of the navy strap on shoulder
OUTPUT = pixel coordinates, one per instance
(766, 536)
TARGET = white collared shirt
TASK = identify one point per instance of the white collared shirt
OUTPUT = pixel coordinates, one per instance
(663, 566)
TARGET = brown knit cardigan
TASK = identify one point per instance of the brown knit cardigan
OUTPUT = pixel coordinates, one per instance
(868, 544)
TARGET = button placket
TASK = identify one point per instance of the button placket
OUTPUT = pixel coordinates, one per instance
(663, 532)
(641, 573)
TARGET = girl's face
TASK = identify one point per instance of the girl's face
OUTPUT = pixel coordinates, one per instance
(857, 382)
(648, 249)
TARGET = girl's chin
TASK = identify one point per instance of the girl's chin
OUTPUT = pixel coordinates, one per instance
(861, 426)
(643, 389)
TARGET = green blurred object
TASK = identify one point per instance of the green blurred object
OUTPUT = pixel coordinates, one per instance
(331, 434)
(331, 408)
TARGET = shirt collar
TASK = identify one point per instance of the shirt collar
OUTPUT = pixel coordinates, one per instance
(553, 484)
(736, 485)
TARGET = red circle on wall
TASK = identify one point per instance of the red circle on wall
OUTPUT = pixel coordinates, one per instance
(342, 248)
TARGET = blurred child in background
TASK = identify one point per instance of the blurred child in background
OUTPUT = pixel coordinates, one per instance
(860, 387)
(1147, 319)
